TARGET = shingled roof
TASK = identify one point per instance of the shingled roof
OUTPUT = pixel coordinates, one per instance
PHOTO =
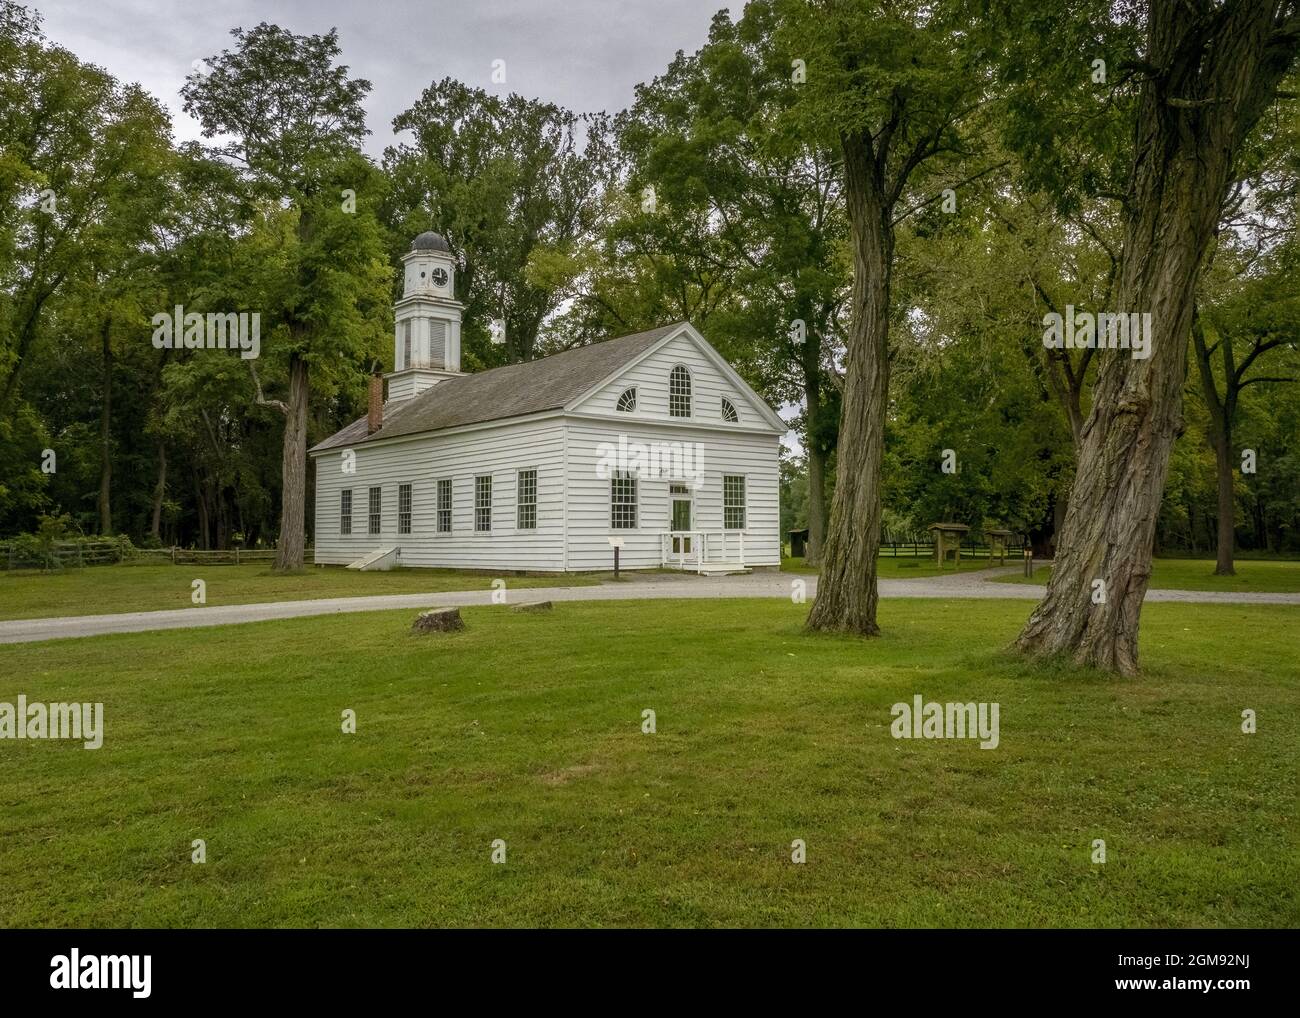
(498, 393)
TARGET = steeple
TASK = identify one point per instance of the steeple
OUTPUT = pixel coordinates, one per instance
(426, 344)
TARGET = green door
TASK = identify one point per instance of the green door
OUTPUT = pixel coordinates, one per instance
(681, 521)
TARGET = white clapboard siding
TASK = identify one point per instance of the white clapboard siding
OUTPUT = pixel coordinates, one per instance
(753, 454)
(650, 377)
(500, 451)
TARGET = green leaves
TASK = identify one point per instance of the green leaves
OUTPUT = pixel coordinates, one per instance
(515, 186)
(289, 109)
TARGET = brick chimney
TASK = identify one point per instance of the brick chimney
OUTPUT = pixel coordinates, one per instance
(375, 412)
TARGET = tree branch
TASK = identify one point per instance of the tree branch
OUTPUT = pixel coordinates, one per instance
(261, 400)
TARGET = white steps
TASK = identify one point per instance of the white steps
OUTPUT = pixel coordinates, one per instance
(722, 569)
(379, 560)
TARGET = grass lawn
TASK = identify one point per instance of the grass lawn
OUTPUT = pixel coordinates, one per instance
(1260, 575)
(104, 589)
(902, 568)
(528, 729)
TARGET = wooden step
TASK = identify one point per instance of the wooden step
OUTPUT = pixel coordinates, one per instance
(722, 569)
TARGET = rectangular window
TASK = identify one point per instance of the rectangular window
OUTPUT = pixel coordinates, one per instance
(526, 500)
(622, 500)
(483, 503)
(376, 504)
(406, 343)
(444, 506)
(403, 508)
(345, 511)
(733, 501)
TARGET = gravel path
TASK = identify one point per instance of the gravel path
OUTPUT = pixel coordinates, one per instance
(763, 584)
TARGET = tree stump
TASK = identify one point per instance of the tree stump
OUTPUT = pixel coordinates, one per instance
(438, 620)
(533, 606)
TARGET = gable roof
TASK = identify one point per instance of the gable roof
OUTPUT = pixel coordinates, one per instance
(550, 383)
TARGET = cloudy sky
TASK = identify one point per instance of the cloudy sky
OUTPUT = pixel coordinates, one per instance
(584, 54)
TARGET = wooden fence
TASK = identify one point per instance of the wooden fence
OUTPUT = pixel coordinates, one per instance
(78, 554)
(925, 549)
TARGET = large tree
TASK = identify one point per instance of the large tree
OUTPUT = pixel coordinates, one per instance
(1207, 73)
(1246, 338)
(891, 84)
(291, 118)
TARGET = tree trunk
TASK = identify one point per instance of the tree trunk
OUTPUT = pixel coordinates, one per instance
(289, 550)
(816, 505)
(1227, 503)
(105, 433)
(202, 505)
(1058, 517)
(1183, 152)
(816, 459)
(219, 500)
(159, 490)
(1222, 411)
(846, 591)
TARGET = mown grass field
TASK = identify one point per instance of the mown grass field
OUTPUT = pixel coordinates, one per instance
(98, 590)
(1260, 575)
(528, 729)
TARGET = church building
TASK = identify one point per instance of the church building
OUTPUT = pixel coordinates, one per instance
(649, 442)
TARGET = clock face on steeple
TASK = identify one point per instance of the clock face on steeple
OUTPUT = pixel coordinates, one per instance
(439, 277)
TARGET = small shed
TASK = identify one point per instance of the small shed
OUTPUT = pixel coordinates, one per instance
(798, 543)
(998, 544)
(946, 536)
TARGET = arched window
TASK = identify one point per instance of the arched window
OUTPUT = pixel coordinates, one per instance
(679, 392)
(627, 401)
(729, 411)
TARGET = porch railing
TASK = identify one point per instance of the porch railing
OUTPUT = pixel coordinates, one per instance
(706, 547)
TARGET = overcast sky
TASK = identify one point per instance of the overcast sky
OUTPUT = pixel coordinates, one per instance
(587, 55)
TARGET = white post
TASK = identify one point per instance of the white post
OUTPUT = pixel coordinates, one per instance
(741, 535)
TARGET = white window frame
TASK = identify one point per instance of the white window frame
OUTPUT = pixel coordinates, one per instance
(374, 520)
(616, 478)
(619, 407)
(744, 502)
(439, 510)
(730, 414)
(479, 508)
(408, 523)
(520, 504)
(674, 394)
(345, 512)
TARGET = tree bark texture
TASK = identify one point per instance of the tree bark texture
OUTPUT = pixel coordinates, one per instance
(844, 602)
(1214, 73)
(290, 549)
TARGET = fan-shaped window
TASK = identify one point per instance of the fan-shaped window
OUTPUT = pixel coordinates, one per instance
(729, 411)
(679, 392)
(627, 401)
